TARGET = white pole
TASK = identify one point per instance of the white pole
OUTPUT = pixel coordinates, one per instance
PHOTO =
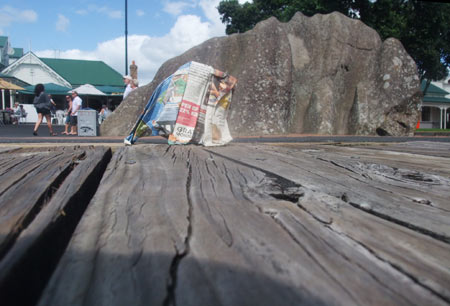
(445, 119)
(11, 102)
(3, 99)
(126, 37)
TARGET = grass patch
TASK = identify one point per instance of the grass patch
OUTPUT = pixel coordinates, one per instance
(433, 130)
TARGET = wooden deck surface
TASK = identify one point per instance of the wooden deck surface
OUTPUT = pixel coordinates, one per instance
(244, 224)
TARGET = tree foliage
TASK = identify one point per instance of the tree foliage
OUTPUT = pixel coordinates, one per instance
(421, 26)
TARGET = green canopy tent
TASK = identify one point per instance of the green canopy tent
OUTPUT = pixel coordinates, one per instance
(111, 90)
(114, 95)
(57, 91)
(50, 88)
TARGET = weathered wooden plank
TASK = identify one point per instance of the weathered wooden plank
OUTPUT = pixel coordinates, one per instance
(412, 177)
(18, 167)
(422, 260)
(394, 157)
(193, 228)
(240, 225)
(4, 150)
(20, 202)
(14, 164)
(378, 197)
(121, 252)
(426, 148)
(29, 262)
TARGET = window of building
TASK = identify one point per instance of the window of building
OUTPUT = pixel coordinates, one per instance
(426, 113)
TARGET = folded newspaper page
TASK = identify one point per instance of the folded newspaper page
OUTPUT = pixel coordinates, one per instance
(190, 106)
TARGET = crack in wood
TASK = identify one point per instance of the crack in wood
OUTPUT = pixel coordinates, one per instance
(266, 172)
(399, 269)
(423, 202)
(38, 164)
(171, 287)
(274, 216)
(36, 259)
(315, 217)
(340, 166)
(37, 207)
(279, 187)
(394, 266)
(360, 266)
(367, 208)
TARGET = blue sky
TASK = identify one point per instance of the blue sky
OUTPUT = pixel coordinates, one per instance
(94, 29)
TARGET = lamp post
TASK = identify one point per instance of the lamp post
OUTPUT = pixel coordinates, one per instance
(126, 37)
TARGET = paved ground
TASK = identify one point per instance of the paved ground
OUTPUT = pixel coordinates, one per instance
(24, 134)
(10, 134)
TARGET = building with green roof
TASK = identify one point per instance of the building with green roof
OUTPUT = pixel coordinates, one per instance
(65, 72)
(69, 73)
(80, 72)
(436, 105)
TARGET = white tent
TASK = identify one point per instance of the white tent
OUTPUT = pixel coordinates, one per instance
(88, 89)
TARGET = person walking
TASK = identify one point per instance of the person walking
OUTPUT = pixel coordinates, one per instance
(42, 104)
(69, 110)
(76, 105)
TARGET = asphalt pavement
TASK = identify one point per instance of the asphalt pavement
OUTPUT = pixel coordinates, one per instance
(23, 133)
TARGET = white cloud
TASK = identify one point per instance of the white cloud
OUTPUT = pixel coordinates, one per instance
(114, 14)
(27, 16)
(151, 52)
(210, 10)
(62, 23)
(92, 8)
(71, 54)
(140, 13)
(81, 12)
(9, 15)
(176, 8)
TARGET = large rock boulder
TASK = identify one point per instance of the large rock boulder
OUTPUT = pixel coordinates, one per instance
(326, 74)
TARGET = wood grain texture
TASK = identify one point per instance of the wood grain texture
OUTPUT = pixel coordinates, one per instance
(122, 251)
(9, 149)
(414, 198)
(26, 187)
(425, 148)
(255, 225)
(37, 247)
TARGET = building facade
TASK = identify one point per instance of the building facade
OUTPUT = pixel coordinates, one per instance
(32, 70)
(69, 73)
(64, 72)
(436, 105)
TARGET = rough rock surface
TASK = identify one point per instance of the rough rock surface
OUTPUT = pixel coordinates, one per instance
(326, 74)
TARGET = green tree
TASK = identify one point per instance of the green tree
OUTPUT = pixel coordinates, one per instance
(243, 17)
(421, 26)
